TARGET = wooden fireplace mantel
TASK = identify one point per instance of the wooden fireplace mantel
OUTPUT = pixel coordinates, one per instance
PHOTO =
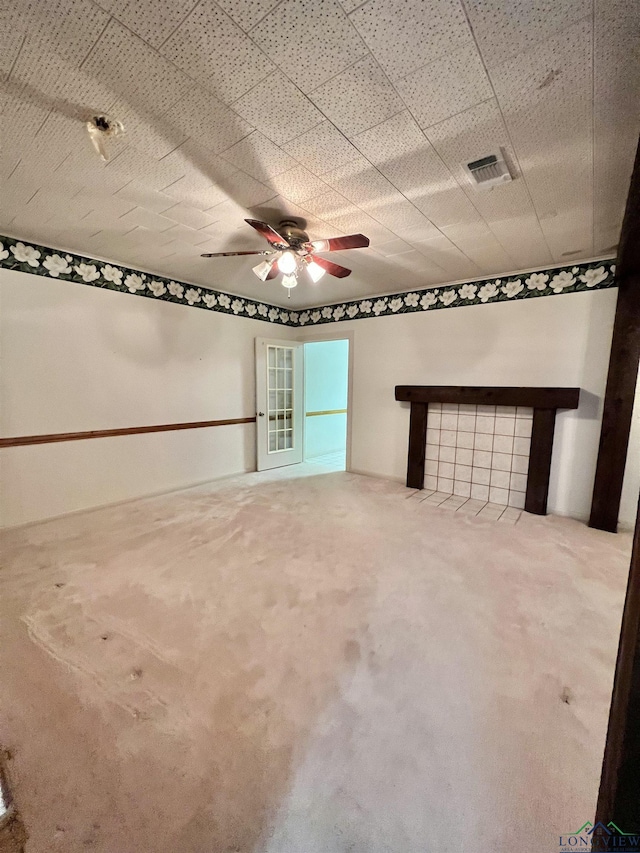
(544, 402)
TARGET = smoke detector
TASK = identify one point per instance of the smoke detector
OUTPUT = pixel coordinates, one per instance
(101, 128)
(488, 171)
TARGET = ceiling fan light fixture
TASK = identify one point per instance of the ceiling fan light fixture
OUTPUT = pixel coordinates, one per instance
(289, 281)
(287, 264)
(263, 269)
(315, 271)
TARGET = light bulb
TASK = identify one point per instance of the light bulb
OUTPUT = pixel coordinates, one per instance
(287, 263)
(289, 281)
(315, 271)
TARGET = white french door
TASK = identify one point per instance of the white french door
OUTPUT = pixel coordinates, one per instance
(280, 402)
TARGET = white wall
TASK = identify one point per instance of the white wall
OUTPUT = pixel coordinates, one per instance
(79, 358)
(326, 381)
(556, 341)
(631, 485)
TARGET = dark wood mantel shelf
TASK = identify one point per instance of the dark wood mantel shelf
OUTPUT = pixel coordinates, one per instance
(544, 402)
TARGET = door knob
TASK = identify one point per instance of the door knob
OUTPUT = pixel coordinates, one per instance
(260, 414)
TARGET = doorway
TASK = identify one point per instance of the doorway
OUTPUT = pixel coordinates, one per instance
(302, 403)
(326, 394)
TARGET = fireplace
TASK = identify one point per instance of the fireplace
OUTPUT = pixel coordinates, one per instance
(493, 443)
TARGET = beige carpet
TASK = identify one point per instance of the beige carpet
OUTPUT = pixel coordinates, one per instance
(282, 663)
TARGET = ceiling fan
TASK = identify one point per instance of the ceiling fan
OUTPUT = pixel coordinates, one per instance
(294, 252)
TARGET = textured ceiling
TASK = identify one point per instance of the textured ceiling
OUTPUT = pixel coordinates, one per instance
(353, 116)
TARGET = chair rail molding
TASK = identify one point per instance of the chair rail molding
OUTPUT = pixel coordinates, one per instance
(55, 437)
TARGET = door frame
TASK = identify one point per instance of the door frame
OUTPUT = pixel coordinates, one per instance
(318, 337)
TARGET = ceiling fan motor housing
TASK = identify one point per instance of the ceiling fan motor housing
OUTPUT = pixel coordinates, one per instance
(292, 232)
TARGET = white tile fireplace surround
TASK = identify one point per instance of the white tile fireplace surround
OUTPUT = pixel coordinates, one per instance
(479, 452)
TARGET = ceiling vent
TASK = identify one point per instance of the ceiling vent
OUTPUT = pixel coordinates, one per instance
(488, 171)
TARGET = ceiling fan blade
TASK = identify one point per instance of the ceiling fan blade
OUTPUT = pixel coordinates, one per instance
(334, 244)
(333, 269)
(268, 233)
(232, 254)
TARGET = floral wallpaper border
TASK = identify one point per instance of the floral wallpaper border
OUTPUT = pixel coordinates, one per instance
(65, 266)
(40, 260)
(595, 275)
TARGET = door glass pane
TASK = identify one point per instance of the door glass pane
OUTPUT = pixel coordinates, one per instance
(280, 398)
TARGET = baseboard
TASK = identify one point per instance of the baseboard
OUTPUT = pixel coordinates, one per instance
(124, 501)
(378, 476)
